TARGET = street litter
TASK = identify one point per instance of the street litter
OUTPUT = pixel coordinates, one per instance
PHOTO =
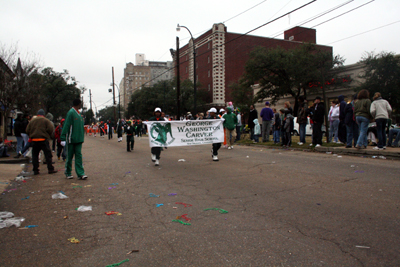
(172, 194)
(362, 247)
(19, 178)
(359, 171)
(374, 157)
(59, 196)
(117, 264)
(153, 195)
(174, 207)
(220, 210)
(112, 212)
(84, 208)
(78, 186)
(6, 214)
(73, 240)
(31, 226)
(186, 218)
(328, 152)
(339, 156)
(352, 166)
(3, 183)
(12, 221)
(382, 157)
(112, 187)
(132, 251)
(159, 205)
(179, 221)
(181, 160)
(247, 156)
(25, 198)
(114, 184)
(87, 185)
(184, 204)
(74, 184)
(60, 192)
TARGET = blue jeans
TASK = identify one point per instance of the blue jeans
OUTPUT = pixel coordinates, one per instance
(352, 133)
(393, 132)
(363, 126)
(238, 132)
(334, 130)
(256, 137)
(302, 132)
(20, 140)
(380, 128)
(277, 136)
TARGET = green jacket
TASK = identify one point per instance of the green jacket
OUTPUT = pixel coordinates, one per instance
(230, 120)
(362, 108)
(73, 130)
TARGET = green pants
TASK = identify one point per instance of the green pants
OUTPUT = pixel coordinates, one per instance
(74, 149)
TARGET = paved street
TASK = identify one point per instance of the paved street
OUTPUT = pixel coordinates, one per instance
(285, 208)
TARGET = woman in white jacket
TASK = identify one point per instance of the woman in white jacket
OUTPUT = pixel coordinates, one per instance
(380, 111)
(334, 121)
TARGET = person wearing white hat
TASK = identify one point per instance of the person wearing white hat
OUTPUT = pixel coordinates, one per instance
(215, 146)
(156, 151)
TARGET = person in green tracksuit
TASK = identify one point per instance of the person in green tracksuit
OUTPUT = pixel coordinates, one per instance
(72, 136)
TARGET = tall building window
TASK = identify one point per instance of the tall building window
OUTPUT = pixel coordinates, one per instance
(208, 59)
(208, 73)
(186, 69)
(209, 87)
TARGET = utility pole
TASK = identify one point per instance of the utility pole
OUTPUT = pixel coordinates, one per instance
(115, 116)
(178, 80)
(90, 97)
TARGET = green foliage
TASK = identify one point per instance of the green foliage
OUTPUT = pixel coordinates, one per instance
(281, 72)
(107, 113)
(89, 117)
(164, 95)
(382, 74)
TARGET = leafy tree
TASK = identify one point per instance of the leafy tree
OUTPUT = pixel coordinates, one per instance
(89, 117)
(107, 113)
(382, 74)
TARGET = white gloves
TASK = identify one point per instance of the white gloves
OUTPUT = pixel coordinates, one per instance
(63, 143)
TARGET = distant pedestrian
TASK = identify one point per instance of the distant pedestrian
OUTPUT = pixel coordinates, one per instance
(276, 127)
(318, 116)
(110, 128)
(333, 117)
(40, 130)
(257, 131)
(288, 128)
(57, 136)
(212, 115)
(119, 130)
(351, 124)
(302, 119)
(238, 125)
(380, 111)
(130, 136)
(18, 129)
(342, 126)
(230, 121)
(253, 114)
(267, 116)
(363, 117)
(72, 136)
(156, 151)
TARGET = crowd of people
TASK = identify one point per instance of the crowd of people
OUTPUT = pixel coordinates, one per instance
(348, 125)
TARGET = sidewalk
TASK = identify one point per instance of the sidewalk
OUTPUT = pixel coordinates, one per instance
(11, 159)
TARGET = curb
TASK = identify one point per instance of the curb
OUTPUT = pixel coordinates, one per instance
(342, 151)
(15, 161)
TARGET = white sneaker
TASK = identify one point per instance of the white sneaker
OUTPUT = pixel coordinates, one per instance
(229, 147)
(153, 157)
(215, 158)
(338, 142)
(70, 177)
(377, 148)
(311, 144)
(157, 163)
(300, 143)
(384, 147)
(317, 145)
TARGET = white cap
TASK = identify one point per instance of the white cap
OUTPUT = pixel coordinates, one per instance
(213, 110)
(157, 109)
(221, 110)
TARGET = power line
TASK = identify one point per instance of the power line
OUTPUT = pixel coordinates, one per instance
(245, 11)
(364, 32)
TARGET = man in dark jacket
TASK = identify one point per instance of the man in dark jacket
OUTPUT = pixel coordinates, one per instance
(40, 130)
(110, 129)
(318, 115)
(130, 138)
(342, 125)
(351, 124)
(252, 115)
(302, 119)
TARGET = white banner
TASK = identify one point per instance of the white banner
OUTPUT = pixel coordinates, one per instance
(185, 133)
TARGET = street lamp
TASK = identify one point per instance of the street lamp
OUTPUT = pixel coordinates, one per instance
(178, 28)
(119, 99)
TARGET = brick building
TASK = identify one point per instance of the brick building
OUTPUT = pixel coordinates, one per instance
(221, 57)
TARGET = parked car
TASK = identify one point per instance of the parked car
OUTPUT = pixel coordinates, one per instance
(308, 128)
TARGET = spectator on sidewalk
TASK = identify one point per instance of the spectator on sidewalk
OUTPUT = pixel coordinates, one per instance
(230, 121)
(351, 124)
(40, 130)
(276, 127)
(318, 116)
(18, 129)
(57, 136)
(342, 126)
(392, 133)
(238, 125)
(253, 114)
(257, 131)
(302, 119)
(363, 117)
(267, 116)
(380, 111)
(334, 121)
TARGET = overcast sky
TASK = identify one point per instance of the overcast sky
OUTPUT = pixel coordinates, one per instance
(89, 37)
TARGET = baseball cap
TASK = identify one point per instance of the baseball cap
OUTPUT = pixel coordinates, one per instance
(213, 110)
(221, 110)
(157, 109)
